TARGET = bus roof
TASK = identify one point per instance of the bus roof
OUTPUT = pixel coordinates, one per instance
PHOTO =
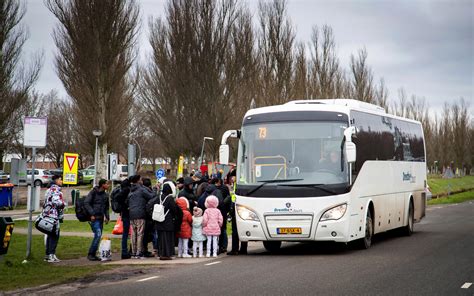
(329, 105)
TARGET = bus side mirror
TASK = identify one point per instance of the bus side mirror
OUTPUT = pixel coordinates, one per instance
(224, 154)
(350, 148)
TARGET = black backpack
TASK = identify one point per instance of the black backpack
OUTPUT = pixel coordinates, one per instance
(116, 200)
(81, 212)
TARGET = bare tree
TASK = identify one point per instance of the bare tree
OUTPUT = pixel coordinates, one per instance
(202, 68)
(400, 107)
(326, 76)
(60, 127)
(276, 53)
(301, 87)
(16, 82)
(381, 95)
(446, 136)
(362, 78)
(460, 133)
(95, 41)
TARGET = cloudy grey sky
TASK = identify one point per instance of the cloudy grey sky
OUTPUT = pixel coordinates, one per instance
(426, 47)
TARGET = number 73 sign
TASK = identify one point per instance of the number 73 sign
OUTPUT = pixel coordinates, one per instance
(70, 161)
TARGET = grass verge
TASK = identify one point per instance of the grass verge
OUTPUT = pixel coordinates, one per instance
(440, 185)
(15, 275)
(455, 198)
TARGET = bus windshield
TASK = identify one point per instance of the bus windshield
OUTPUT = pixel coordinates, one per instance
(302, 153)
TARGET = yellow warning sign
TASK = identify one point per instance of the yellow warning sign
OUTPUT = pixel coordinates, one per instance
(70, 163)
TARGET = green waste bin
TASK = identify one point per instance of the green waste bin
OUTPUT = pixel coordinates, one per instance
(6, 231)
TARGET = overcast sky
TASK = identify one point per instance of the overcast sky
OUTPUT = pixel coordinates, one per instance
(426, 47)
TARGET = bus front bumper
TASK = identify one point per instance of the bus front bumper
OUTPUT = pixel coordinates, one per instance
(307, 228)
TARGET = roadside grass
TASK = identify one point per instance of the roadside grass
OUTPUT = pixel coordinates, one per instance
(439, 185)
(15, 275)
(455, 198)
(72, 226)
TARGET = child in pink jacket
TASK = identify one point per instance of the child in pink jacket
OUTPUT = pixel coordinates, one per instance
(212, 223)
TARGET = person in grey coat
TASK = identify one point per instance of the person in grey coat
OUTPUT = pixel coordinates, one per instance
(137, 200)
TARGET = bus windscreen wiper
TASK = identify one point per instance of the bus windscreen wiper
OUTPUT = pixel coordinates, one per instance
(319, 186)
(269, 182)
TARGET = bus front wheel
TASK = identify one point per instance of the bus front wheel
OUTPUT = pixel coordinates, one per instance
(366, 242)
(272, 246)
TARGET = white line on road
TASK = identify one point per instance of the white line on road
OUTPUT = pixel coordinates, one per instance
(466, 285)
(149, 278)
(217, 262)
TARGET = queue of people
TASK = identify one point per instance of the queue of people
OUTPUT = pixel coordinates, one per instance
(194, 211)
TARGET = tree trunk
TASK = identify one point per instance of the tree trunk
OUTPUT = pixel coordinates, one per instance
(102, 162)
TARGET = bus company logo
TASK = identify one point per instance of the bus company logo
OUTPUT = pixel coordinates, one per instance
(407, 176)
(288, 209)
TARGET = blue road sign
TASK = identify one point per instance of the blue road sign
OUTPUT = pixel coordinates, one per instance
(160, 173)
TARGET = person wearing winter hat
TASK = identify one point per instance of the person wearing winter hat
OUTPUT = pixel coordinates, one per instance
(197, 236)
(185, 232)
(212, 223)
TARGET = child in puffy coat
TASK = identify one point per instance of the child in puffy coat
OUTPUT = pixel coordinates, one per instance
(212, 223)
(185, 232)
(198, 237)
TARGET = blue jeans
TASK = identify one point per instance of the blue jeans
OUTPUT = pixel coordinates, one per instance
(96, 227)
(126, 229)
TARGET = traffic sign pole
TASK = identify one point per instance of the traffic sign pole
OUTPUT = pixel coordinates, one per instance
(32, 202)
(34, 136)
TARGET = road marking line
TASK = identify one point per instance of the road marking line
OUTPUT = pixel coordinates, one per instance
(217, 262)
(466, 285)
(149, 278)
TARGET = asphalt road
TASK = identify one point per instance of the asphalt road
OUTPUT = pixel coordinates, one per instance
(438, 259)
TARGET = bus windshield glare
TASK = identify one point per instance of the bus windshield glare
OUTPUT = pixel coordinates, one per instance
(302, 153)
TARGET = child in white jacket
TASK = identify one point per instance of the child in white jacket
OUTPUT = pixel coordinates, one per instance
(198, 237)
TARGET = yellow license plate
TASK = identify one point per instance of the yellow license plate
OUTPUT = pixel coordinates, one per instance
(288, 230)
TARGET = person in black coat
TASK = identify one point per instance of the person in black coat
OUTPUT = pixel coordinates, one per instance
(225, 201)
(125, 215)
(188, 193)
(166, 229)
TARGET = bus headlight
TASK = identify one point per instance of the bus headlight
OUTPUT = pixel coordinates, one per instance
(335, 213)
(246, 214)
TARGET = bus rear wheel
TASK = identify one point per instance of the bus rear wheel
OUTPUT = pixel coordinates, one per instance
(408, 229)
(272, 246)
(366, 242)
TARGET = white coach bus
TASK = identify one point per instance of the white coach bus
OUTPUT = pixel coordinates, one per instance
(327, 170)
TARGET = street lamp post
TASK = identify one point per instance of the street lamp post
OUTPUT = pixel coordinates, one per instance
(97, 134)
(202, 149)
